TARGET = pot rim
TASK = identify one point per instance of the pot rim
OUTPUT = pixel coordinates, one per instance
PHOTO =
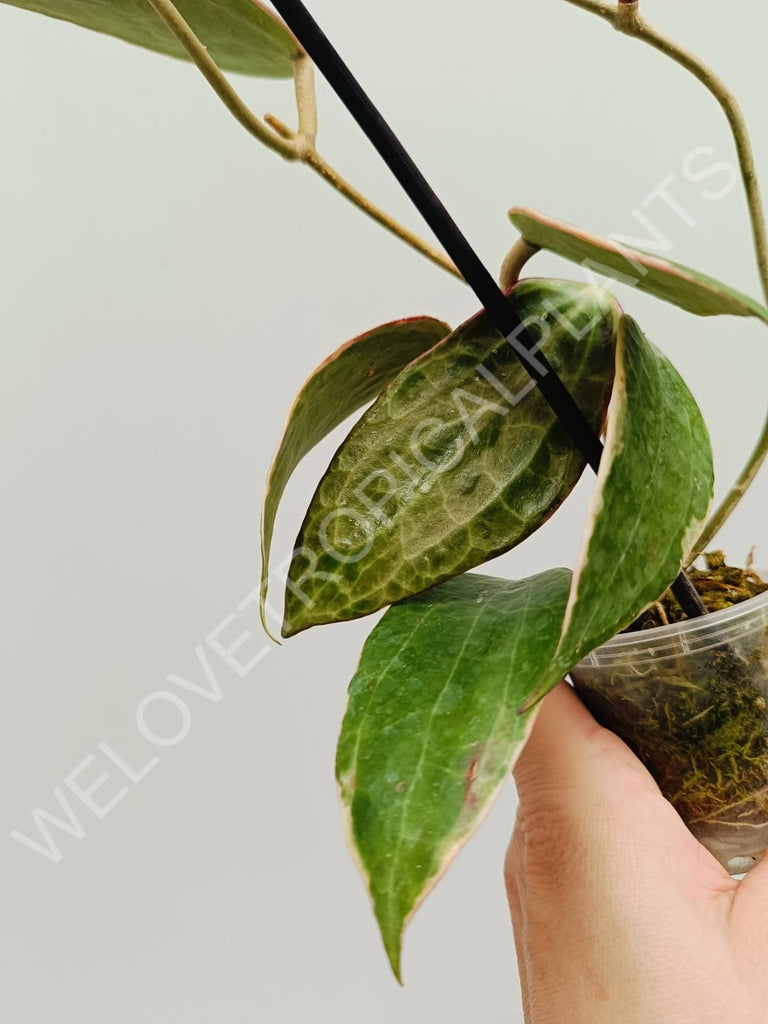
(699, 634)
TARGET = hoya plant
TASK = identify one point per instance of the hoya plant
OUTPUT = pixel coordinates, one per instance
(458, 458)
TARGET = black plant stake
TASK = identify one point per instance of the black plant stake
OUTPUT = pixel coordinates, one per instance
(491, 297)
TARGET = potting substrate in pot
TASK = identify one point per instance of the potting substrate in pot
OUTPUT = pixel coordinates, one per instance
(691, 700)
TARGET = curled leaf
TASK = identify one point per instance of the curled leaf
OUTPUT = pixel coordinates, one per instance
(654, 490)
(348, 379)
(666, 280)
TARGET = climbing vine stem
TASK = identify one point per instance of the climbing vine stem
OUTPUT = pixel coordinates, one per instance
(626, 18)
(298, 145)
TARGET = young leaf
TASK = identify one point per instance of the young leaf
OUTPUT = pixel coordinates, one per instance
(666, 280)
(432, 728)
(241, 35)
(653, 493)
(458, 460)
(348, 379)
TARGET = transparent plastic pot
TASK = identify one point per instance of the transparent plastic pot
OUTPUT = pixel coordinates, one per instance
(691, 699)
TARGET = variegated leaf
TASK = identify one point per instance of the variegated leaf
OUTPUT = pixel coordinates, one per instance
(654, 490)
(432, 728)
(458, 460)
(673, 282)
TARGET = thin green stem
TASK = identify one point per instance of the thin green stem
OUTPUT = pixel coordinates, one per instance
(306, 100)
(626, 18)
(734, 496)
(630, 21)
(514, 262)
(309, 155)
(218, 82)
(300, 145)
(321, 167)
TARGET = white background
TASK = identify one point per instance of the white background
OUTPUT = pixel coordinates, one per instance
(166, 286)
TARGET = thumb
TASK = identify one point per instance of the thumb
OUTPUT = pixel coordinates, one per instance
(571, 760)
(587, 803)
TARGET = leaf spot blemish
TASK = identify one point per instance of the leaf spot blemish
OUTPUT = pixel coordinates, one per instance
(469, 796)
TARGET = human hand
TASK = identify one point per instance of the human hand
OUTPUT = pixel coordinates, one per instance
(620, 915)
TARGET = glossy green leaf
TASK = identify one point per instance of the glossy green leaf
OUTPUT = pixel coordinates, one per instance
(458, 460)
(348, 379)
(666, 280)
(653, 495)
(241, 35)
(432, 728)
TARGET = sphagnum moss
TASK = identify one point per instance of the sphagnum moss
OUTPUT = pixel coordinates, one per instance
(704, 739)
(719, 585)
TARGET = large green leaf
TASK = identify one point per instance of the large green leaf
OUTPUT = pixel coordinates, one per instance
(670, 281)
(432, 728)
(348, 379)
(241, 35)
(653, 494)
(458, 460)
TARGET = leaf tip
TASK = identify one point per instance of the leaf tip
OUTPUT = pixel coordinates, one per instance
(292, 625)
(287, 630)
(275, 639)
(263, 612)
(393, 944)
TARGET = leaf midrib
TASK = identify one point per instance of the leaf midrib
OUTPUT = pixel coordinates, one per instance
(394, 861)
